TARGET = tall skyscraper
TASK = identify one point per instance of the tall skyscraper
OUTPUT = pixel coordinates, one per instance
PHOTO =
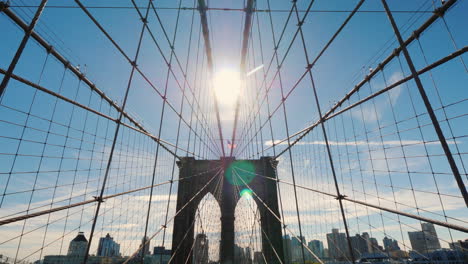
(287, 249)
(145, 247)
(459, 245)
(424, 241)
(108, 247)
(258, 258)
(375, 245)
(337, 245)
(432, 240)
(316, 246)
(390, 244)
(248, 255)
(200, 249)
(78, 246)
(296, 249)
(360, 245)
(161, 255)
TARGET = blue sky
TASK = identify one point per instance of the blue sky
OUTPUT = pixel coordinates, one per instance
(365, 41)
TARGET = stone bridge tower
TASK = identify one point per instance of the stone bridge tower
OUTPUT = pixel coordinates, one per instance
(191, 192)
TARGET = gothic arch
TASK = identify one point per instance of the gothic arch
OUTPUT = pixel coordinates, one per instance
(194, 184)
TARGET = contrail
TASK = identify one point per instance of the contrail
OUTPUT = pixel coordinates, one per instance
(254, 70)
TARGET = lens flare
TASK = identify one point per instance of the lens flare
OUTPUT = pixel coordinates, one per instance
(247, 193)
(227, 86)
(240, 172)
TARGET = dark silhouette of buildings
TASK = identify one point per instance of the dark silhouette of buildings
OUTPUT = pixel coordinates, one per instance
(200, 250)
(145, 247)
(193, 189)
(424, 241)
(337, 245)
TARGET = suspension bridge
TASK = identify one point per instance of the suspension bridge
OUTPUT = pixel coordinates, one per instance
(255, 131)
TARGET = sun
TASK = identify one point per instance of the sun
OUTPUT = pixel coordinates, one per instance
(227, 86)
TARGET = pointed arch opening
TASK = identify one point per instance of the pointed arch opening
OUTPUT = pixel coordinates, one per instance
(207, 231)
(247, 225)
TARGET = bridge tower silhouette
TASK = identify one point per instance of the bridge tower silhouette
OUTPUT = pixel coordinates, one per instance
(193, 188)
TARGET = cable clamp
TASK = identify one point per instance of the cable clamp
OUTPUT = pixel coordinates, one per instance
(416, 34)
(300, 23)
(164, 226)
(144, 20)
(49, 49)
(309, 66)
(439, 11)
(98, 199)
(340, 197)
(396, 52)
(133, 63)
(3, 5)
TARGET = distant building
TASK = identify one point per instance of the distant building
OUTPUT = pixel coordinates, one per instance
(459, 245)
(366, 238)
(242, 255)
(448, 256)
(76, 253)
(337, 245)
(239, 254)
(425, 241)
(296, 249)
(161, 255)
(248, 255)
(376, 248)
(316, 246)
(145, 247)
(390, 245)
(78, 246)
(200, 249)
(108, 247)
(59, 259)
(287, 249)
(161, 251)
(258, 258)
(360, 245)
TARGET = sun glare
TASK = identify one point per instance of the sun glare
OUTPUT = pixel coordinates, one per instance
(227, 86)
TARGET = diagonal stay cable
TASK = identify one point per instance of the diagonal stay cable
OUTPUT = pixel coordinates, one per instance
(345, 198)
(134, 65)
(209, 56)
(331, 114)
(56, 209)
(309, 66)
(261, 228)
(184, 72)
(193, 222)
(76, 72)
(173, 217)
(437, 13)
(279, 219)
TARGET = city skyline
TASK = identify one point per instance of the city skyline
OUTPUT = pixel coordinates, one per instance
(312, 131)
